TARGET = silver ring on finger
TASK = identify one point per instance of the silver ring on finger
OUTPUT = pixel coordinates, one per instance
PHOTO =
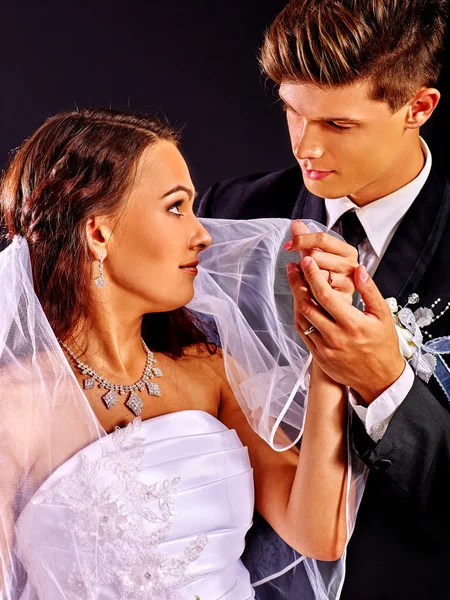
(330, 278)
(309, 331)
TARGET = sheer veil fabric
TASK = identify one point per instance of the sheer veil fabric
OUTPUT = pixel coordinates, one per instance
(242, 285)
(45, 418)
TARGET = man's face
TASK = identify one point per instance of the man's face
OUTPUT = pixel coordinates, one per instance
(345, 143)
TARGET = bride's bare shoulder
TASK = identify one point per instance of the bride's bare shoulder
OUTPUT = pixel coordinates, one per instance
(205, 356)
(33, 389)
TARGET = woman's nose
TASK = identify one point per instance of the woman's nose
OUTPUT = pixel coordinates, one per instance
(201, 239)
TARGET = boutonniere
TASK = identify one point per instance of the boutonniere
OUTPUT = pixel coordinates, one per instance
(425, 358)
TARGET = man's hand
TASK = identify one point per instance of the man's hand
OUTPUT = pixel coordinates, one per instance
(336, 259)
(358, 349)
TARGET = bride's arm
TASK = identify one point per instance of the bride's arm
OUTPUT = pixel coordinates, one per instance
(302, 494)
(316, 509)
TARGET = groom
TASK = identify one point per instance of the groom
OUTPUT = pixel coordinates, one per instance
(356, 79)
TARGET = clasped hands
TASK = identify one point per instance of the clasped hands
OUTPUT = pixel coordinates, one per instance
(354, 348)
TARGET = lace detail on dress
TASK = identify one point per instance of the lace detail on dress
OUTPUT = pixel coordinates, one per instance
(116, 528)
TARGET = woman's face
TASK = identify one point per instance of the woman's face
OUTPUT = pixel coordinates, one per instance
(153, 248)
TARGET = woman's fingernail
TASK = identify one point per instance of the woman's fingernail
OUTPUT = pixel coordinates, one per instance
(288, 245)
(306, 261)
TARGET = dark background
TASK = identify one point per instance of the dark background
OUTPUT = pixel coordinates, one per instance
(191, 61)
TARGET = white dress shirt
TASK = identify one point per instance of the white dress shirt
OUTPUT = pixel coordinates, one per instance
(380, 220)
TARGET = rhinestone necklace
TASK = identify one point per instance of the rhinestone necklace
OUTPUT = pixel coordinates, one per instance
(134, 402)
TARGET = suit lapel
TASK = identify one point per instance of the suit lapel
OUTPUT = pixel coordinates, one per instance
(415, 241)
(309, 206)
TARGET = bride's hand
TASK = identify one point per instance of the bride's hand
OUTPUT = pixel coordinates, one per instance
(336, 259)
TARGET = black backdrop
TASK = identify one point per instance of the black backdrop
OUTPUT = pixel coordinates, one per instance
(192, 61)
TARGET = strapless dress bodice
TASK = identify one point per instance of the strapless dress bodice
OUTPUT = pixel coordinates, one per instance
(156, 510)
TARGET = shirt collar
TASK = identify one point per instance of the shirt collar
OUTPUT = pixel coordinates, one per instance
(381, 218)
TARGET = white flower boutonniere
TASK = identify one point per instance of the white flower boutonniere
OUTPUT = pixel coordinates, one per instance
(424, 358)
(410, 337)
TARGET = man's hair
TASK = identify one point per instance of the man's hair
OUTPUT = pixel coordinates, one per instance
(396, 45)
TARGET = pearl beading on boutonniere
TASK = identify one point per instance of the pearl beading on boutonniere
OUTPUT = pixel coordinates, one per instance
(425, 358)
(437, 317)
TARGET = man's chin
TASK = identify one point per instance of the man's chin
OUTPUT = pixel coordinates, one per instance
(324, 189)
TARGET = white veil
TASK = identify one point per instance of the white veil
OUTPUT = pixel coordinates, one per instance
(45, 417)
(242, 284)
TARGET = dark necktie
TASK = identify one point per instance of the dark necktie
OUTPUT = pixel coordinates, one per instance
(350, 228)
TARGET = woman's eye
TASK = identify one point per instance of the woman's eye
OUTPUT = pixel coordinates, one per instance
(175, 208)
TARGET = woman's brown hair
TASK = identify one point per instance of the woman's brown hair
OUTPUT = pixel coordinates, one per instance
(394, 44)
(75, 166)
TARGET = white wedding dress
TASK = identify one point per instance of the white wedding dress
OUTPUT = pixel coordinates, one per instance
(157, 510)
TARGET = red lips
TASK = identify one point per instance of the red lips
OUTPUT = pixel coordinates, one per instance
(190, 268)
(192, 264)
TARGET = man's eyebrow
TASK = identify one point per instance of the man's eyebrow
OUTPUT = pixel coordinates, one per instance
(181, 188)
(323, 118)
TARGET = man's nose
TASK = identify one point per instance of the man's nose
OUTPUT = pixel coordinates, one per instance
(305, 143)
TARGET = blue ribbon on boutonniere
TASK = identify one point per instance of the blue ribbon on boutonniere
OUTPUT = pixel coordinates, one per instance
(426, 359)
(436, 349)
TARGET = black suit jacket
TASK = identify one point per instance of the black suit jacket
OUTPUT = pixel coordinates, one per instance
(400, 548)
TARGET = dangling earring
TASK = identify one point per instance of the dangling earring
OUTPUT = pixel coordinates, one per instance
(100, 280)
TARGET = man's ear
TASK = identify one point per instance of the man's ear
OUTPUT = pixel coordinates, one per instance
(97, 234)
(422, 107)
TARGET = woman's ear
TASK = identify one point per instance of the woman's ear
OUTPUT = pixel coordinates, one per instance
(97, 234)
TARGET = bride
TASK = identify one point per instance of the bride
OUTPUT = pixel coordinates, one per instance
(134, 472)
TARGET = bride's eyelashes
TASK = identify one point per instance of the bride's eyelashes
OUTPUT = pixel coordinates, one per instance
(174, 208)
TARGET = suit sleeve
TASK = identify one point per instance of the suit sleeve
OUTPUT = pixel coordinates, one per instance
(203, 207)
(414, 453)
